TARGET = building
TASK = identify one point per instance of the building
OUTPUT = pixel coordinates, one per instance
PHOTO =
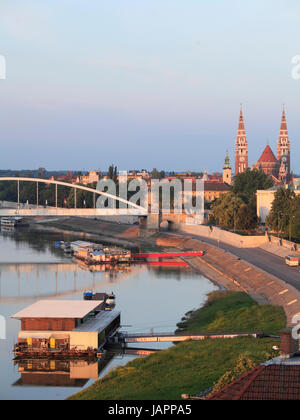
(65, 325)
(279, 167)
(268, 163)
(70, 178)
(277, 379)
(91, 178)
(265, 198)
(241, 147)
(214, 190)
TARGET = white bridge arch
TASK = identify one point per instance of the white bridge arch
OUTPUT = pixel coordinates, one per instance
(37, 210)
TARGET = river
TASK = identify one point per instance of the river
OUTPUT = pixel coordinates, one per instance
(31, 268)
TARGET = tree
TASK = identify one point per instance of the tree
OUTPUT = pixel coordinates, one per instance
(225, 210)
(231, 212)
(246, 218)
(113, 173)
(155, 174)
(247, 183)
(285, 213)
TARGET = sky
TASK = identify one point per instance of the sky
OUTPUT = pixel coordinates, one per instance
(145, 83)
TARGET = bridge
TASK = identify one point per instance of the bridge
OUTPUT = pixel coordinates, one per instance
(38, 210)
(147, 220)
(124, 338)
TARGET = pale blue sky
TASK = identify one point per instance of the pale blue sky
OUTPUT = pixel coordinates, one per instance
(145, 84)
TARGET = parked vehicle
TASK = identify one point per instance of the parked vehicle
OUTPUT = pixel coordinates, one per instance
(292, 260)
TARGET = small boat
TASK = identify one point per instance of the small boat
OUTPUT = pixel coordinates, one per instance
(88, 295)
(13, 222)
(59, 244)
(66, 246)
(111, 299)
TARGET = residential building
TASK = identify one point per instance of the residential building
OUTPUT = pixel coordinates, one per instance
(265, 198)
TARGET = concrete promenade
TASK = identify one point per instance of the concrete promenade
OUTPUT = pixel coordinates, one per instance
(234, 273)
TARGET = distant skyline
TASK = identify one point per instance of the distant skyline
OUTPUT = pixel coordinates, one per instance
(144, 84)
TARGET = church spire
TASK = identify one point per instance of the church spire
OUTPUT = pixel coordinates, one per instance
(227, 174)
(283, 126)
(227, 161)
(241, 147)
(284, 145)
(241, 123)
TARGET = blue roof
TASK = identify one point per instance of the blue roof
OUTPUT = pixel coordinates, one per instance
(98, 253)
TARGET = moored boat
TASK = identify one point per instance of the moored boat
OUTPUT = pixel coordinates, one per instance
(13, 222)
(111, 299)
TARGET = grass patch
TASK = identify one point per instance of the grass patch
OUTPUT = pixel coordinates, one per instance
(193, 366)
(190, 367)
(230, 311)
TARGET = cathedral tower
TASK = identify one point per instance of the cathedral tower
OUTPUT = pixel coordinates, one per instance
(227, 170)
(241, 147)
(284, 147)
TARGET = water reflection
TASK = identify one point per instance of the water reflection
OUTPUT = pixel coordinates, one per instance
(23, 282)
(59, 373)
(69, 373)
(31, 268)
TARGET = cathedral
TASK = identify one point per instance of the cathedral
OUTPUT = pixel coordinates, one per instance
(277, 167)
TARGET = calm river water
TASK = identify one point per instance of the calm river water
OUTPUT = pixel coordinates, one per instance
(149, 298)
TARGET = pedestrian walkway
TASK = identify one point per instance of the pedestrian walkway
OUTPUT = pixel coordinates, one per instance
(280, 251)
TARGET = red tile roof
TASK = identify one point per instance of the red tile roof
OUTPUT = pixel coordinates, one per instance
(267, 156)
(215, 186)
(272, 382)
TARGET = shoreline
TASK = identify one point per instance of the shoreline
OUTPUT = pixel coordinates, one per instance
(162, 375)
(223, 269)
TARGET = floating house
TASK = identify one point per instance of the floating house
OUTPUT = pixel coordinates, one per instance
(110, 255)
(66, 327)
(82, 248)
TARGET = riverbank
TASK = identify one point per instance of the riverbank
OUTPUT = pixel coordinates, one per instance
(192, 367)
(224, 269)
(236, 274)
(99, 230)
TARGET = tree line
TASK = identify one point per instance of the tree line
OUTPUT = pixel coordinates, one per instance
(46, 194)
(237, 209)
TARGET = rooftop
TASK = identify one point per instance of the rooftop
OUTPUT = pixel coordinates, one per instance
(98, 323)
(215, 186)
(266, 382)
(267, 156)
(58, 309)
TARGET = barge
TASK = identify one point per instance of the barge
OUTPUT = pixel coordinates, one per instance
(65, 329)
(96, 254)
